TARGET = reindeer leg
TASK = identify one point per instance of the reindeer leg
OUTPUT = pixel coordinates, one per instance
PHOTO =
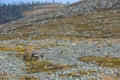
(24, 58)
(31, 57)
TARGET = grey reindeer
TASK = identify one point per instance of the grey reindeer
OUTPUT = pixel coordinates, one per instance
(36, 56)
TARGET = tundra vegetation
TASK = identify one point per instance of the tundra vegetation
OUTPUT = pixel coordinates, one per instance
(78, 41)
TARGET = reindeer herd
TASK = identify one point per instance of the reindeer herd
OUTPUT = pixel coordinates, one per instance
(33, 55)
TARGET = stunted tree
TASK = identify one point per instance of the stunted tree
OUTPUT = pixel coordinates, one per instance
(53, 2)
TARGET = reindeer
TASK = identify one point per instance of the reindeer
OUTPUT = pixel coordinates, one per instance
(33, 55)
(25, 55)
(36, 56)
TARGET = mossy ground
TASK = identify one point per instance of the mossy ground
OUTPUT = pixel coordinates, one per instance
(27, 78)
(102, 61)
(5, 76)
(45, 66)
(22, 47)
(79, 73)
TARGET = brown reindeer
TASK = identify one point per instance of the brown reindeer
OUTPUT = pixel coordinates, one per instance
(25, 55)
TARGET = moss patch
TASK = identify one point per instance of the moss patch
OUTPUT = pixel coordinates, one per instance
(27, 78)
(110, 78)
(42, 46)
(45, 66)
(18, 48)
(102, 61)
(22, 47)
(6, 49)
(78, 73)
(7, 77)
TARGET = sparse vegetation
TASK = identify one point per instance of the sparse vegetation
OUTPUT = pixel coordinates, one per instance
(102, 61)
(46, 66)
(27, 78)
(79, 26)
(79, 73)
(7, 77)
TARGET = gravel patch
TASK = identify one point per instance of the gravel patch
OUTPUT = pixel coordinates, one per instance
(11, 65)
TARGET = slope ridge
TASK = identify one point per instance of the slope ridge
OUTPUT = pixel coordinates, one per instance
(70, 21)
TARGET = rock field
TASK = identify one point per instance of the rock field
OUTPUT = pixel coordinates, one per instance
(67, 55)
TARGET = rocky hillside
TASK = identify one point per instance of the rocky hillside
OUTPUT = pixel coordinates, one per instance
(78, 42)
(87, 18)
(37, 10)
